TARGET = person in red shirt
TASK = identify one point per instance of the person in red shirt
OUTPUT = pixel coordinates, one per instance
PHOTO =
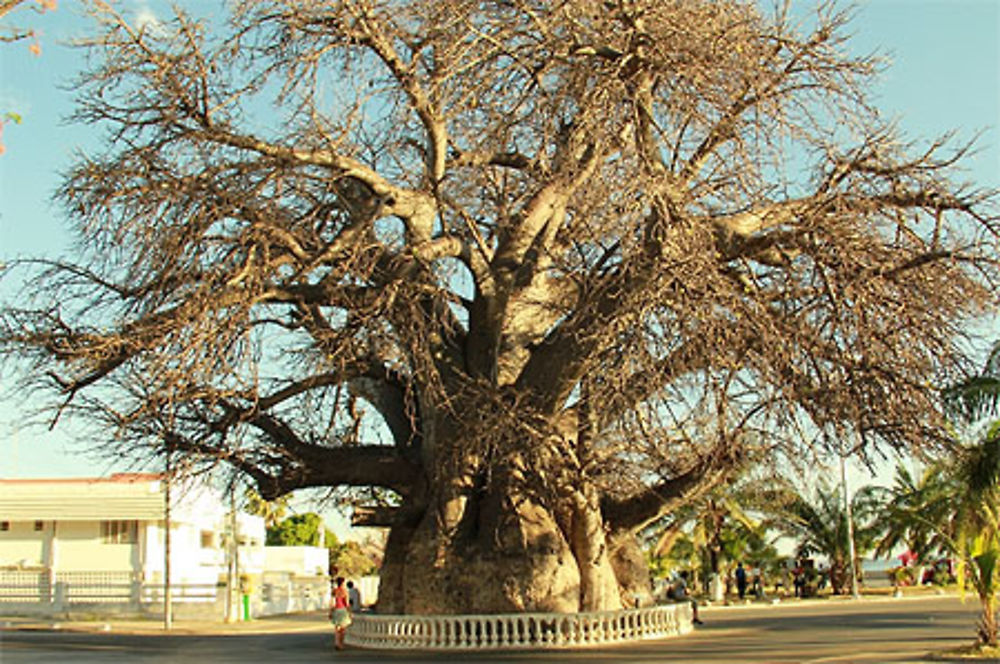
(340, 614)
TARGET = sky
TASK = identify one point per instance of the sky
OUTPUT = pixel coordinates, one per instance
(944, 75)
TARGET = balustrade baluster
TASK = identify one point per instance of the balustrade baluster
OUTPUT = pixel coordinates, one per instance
(509, 631)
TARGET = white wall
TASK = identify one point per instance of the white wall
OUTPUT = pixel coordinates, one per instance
(79, 548)
(299, 560)
(189, 561)
(21, 544)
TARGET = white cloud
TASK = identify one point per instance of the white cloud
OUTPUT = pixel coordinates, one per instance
(147, 20)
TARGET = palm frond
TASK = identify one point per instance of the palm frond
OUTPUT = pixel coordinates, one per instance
(978, 396)
(980, 467)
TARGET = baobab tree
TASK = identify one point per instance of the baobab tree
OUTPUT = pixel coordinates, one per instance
(537, 273)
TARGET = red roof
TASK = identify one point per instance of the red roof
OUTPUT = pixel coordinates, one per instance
(123, 478)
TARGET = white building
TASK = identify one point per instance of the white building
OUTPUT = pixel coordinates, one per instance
(99, 544)
(116, 524)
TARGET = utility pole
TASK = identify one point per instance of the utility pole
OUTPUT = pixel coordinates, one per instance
(168, 608)
(232, 569)
(850, 524)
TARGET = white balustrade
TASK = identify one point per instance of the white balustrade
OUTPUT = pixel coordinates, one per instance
(514, 631)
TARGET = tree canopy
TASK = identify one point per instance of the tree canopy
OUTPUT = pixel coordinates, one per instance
(300, 530)
(539, 272)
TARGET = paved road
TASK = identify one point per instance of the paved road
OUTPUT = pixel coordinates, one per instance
(832, 632)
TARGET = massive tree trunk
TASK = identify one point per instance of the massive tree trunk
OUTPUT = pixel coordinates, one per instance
(506, 554)
(476, 544)
(497, 533)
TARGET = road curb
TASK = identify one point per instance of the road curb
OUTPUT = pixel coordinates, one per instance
(821, 602)
(112, 627)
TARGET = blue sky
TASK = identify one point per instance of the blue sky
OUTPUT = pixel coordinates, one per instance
(945, 75)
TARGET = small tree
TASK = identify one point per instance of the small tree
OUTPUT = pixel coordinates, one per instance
(300, 530)
(353, 559)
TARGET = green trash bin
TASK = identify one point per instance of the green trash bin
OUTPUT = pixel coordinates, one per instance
(246, 591)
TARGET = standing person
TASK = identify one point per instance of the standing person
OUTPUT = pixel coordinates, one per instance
(741, 580)
(800, 580)
(340, 614)
(353, 597)
(824, 576)
(681, 594)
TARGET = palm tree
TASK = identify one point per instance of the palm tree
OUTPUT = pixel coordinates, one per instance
(978, 528)
(702, 534)
(911, 511)
(953, 507)
(724, 526)
(976, 524)
(819, 525)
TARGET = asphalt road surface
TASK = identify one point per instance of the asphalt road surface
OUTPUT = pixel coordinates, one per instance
(835, 631)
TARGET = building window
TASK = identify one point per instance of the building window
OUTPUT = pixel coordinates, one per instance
(4, 526)
(119, 532)
(39, 525)
(207, 539)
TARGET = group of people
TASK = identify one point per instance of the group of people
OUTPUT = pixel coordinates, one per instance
(802, 579)
(345, 601)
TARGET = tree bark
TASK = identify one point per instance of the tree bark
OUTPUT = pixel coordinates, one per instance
(514, 559)
(989, 633)
(469, 545)
(598, 583)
